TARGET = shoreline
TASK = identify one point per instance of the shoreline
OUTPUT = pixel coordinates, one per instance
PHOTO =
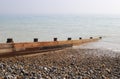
(67, 63)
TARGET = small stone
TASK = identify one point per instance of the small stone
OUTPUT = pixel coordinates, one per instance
(1, 65)
(10, 69)
(14, 77)
(72, 64)
(64, 78)
(108, 70)
(103, 65)
(34, 78)
(19, 77)
(4, 70)
(45, 68)
(33, 73)
(8, 77)
(39, 76)
(104, 77)
(25, 73)
(91, 71)
(47, 77)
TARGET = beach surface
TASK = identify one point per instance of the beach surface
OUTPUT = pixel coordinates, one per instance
(70, 63)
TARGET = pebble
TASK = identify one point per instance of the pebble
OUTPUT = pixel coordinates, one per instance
(45, 68)
(9, 77)
(108, 70)
(87, 68)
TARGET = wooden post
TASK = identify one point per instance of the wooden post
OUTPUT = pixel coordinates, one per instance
(55, 39)
(35, 39)
(100, 37)
(69, 39)
(10, 40)
(91, 37)
(80, 38)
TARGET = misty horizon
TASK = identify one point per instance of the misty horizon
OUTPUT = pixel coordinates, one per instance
(60, 7)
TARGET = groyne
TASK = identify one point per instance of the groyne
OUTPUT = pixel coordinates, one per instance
(10, 47)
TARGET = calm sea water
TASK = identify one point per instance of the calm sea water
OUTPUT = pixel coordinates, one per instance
(23, 28)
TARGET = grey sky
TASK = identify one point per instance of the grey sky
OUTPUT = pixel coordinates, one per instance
(59, 6)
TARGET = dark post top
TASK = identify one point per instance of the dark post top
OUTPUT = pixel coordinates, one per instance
(69, 38)
(80, 38)
(9, 40)
(100, 37)
(91, 37)
(35, 39)
(55, 39)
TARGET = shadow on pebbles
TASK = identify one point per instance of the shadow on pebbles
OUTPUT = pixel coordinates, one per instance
(63, 64)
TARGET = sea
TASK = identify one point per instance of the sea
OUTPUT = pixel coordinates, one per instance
(23, 28)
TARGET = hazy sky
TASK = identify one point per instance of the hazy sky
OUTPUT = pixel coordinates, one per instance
(59, 6)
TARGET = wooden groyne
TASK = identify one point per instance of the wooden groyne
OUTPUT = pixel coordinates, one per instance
(12, 48)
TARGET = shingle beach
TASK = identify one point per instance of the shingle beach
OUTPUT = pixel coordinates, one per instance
(63, 64)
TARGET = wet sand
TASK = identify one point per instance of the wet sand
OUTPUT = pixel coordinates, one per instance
(63, 64)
